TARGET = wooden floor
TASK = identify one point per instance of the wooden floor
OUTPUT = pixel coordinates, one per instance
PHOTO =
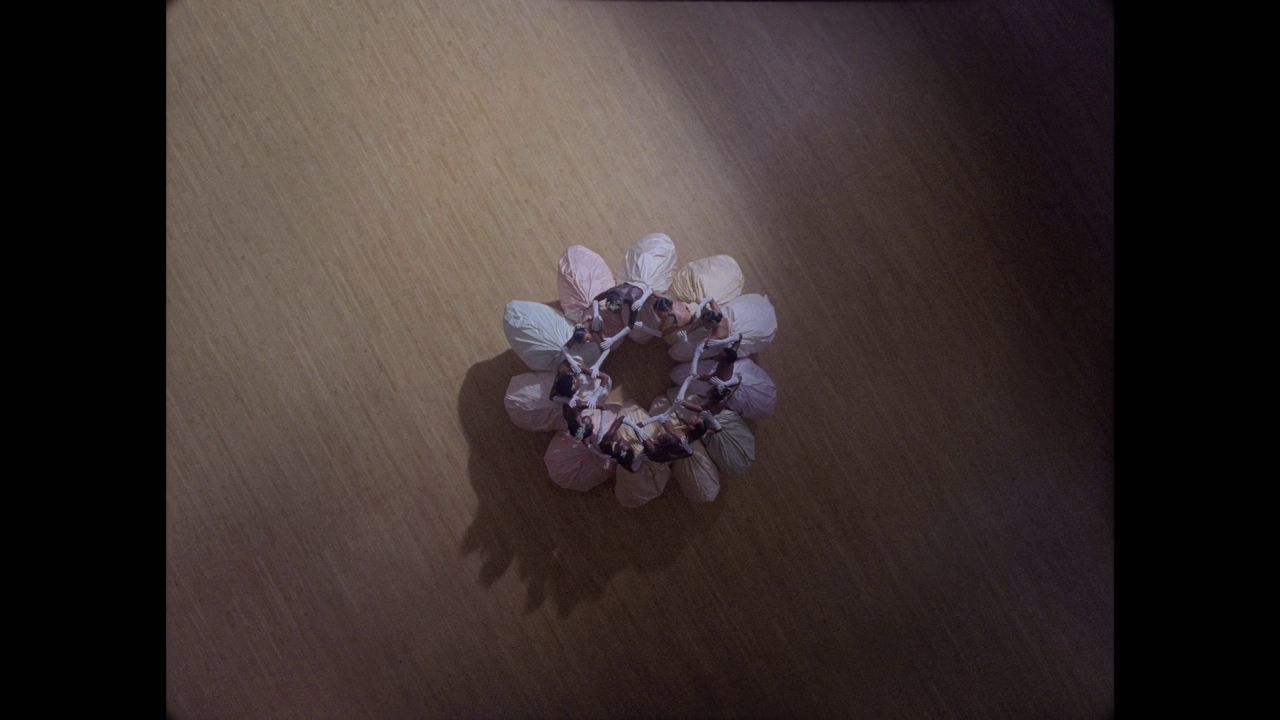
(355, 190)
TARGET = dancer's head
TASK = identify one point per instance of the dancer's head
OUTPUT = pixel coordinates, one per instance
(613, 300)
(697, 431)
(729, 354)
(662, 305)
(579, 332)
(626, 458)
(710, 317)
(562, 387)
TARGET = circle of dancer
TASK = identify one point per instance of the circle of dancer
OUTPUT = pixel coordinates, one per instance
(696, 432)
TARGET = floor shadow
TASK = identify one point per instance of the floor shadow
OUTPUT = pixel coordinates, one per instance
(563, 544)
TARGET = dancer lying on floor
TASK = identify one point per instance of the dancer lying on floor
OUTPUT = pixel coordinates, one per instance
(672, 443)
(723, 383)
(573, 349)
(619, 449)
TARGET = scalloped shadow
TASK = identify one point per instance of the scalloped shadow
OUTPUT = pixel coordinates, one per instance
(562, 543)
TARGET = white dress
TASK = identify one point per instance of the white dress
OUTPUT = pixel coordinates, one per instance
(537, 333)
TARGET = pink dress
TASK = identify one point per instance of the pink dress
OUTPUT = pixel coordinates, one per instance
(755, 398)
(583, 275)
(650, 264)
(571, 464)
(529, 405)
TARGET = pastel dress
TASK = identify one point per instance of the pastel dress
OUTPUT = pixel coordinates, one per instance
(752, 315)
(718, 277)
(754, 398)
(650, 264)
(697, 475)
(633, 489)
(733, 447)
(537, 333)
(574, 466)
(529, 405)
(583, 274)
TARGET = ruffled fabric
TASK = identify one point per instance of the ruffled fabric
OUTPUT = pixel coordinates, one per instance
(650, 263)
(697, 475)
(537, 333)
(753, 316)
(733, 448)
(572, 465)
(718, 276)
(583, 275)
(528, 404)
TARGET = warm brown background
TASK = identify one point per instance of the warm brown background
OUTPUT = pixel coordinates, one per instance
(355, 529)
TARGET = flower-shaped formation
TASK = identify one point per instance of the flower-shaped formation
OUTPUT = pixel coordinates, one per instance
(696, 431)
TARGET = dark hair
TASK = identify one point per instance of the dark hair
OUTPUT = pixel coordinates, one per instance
(626, 458)
(709, 315)
(579, 332)
(563, 385)
(662, 304)
(729, 355)
(586, 427)
(722, 392)
(697, 431)
(613, 296)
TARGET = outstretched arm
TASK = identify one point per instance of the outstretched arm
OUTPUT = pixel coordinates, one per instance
(568, 359)
(649, 447)
(728, 340)
(691, 407)
(639, 431)
(684, 388)
(611, 341)
(697, 353)
(635, 306)
(646, 329)
(595, 369)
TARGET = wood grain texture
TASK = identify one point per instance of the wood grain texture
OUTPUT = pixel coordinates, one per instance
(355, 529)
